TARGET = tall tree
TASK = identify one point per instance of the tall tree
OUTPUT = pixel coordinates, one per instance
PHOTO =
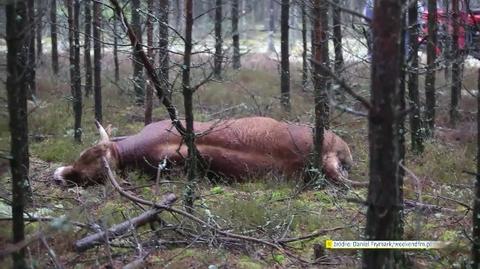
(73, 10)
(138, 81)
(189, 135)
(218, 39)
(97, 59)
(149, 88)
(39, 18)
(17, 46)
(285, 62)
(337, 36)
(164, 59)
(476, 201)
(87, 46)
(384, 212)
(53, 35)
(430, 76)
(456, 69)
(416, 128)
(235, 35)
(320, 77)
(115, 49)
(304, 45)
(31, 51)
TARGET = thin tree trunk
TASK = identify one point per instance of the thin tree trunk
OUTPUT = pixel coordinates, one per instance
(384, 211)
(115, 49)
(87, 44)
(138, 81)
(456, 72)
(53, 35)
(235, 36)
(31, 52)
(337, 37)
(447, 44)
(149, 88)
(164, 58)
(39, 18)
(188, 104)
(304, 44)
(285, 63)
(17, 44)
(430, 76)
(97, 59)
(413, 93)
(218, 39)
(476, 201)
(73, 10)
(320, 78)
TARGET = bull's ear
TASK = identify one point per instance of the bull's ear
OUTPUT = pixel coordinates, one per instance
(109, 130)
(103, 134)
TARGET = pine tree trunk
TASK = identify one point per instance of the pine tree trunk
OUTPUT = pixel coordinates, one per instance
(73, 10)
(115, 49)
(97, 60)
(320, 78)
(413, 92)
(285, 63)
(87, 43)
(218, 39)
(164, 58)
(304, 45)
(149, 89)
(235, 36)
(31, 51)
(384, 210)
(430, 76)
(17, 92)
(456, 72)
(139, 82)
(189, 136)
(53, 35)
(337, 37)
(271, 25)
(476, 201)
(39, 18)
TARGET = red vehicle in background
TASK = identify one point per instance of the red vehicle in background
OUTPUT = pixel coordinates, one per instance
(468, 30)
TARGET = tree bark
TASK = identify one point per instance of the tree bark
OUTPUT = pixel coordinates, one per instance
(39, 25)
(337, 36)
(17, 92)
(138, 81)
(53, 35)
(430, 76)
(73, 10)
(164, 58)
(218, 39)
(31, 51)
(189, 136)
(319, 76)
(235, 36)
(87, 47)
(285, 63)
(97, 60)
(149, 88)
(456, 69)
(416, 128)
(304, 45)
(476, 201)
(115, 49)
(385, 200)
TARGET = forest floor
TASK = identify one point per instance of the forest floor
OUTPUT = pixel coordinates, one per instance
(263, 207)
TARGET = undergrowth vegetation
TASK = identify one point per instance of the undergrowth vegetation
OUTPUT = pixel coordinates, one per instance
(266, 207)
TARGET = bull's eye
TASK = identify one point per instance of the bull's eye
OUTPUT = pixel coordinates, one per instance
(346, 166)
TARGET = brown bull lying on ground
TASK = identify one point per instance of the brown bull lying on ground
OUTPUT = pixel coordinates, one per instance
(237, 149)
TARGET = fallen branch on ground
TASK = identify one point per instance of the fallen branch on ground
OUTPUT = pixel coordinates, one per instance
(122, 228)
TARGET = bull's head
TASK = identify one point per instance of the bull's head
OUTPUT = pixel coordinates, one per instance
(88, 168)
